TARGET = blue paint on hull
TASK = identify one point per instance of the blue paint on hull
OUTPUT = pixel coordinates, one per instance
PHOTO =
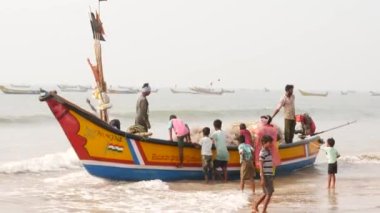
(133, 174)
(286, 169)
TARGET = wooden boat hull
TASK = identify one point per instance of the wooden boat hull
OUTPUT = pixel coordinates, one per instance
(109, 153)
(19, 91)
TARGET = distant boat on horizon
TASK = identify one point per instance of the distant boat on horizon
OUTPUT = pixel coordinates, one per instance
(304, 93)
(122, 90)
(266, 90)
(207, 90)
(20, 85)
(344, 93)
(374, 93)
(19, 91)
(228, 90)
(182, 91)
(72, 88)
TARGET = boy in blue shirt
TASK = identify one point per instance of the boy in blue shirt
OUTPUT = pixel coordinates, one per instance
(247, 170)
(222, 155)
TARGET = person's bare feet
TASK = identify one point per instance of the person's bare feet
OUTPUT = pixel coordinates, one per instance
(255, 208)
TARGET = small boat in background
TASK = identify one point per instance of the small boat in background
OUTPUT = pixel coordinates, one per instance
(304, 93)
(122, 90)
(374, 93)
(207, 90)
(228, 91)
(20, 86)
(72, 88)
(182, 91)
(344, 93)
(266, 90)
(19, 91)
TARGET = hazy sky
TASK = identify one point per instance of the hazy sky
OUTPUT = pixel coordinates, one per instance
(316, 45)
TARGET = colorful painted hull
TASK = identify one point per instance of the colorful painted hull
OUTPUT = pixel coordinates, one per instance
(109, 153)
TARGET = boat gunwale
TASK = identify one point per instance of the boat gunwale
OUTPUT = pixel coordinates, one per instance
(97, 121)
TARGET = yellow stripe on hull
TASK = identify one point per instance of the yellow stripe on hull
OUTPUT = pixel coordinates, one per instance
(102, 143)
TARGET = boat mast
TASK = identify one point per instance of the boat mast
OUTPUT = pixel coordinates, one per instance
(101, 90)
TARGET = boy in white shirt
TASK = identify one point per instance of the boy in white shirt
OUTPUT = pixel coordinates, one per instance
(332, 155)
(206, 152)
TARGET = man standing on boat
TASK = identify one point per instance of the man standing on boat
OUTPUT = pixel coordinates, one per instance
(289, 112)
(142, 108)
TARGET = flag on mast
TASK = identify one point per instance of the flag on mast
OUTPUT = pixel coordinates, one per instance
(97, 27)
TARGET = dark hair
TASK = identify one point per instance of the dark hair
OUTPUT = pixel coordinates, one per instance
(206, 131)
(241, 139)
(145, 85)
(218, 124)
(288, 87)
(268, 117)
(331, 142)
(115, 123)
(172, 117)
(243, 126)
(266, 139)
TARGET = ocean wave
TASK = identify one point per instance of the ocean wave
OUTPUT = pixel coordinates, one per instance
(142, 196)
(26, 118)
(372, 158)
(49, 162)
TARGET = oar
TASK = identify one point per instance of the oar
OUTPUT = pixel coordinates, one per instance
(92, 106)
(327, 130)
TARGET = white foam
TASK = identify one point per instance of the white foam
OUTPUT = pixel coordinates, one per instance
(371, 158)
(49, 162)
(78, 189)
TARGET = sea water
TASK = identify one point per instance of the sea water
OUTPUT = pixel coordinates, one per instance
(40, 172)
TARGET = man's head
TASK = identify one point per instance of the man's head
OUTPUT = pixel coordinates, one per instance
(218, 124)
(206, 131)
(145, 90)
(172, 117)
(289, 89)
(331, 142)
(243, 126)
(266, 119)
(266, 140)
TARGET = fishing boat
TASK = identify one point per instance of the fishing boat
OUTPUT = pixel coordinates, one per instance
(110, 153)
(207, 90)
(321, 94)
(72, 88)
(19, 91)
(344, 92)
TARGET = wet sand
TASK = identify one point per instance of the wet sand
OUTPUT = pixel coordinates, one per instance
(306, 191)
